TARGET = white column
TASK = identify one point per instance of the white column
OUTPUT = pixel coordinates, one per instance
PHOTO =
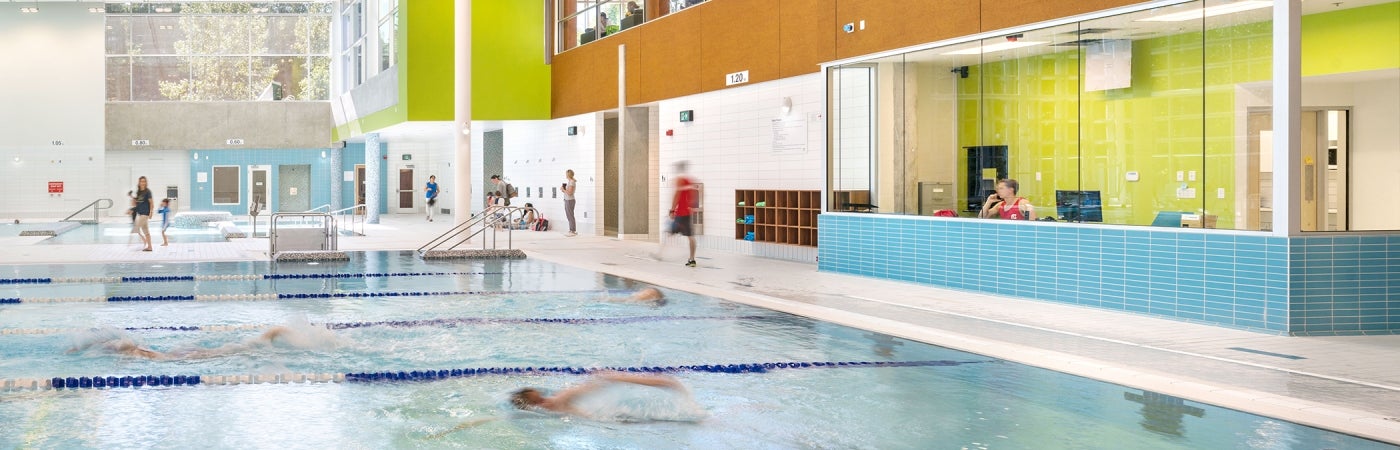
(373, 159)
(337, 177)
(462, 112)
(1287, 112)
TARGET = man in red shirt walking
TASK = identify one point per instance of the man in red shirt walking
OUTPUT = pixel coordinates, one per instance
(681, 208)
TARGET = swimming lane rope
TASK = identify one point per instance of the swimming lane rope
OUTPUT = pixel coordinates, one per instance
(30, 384)
(273, 296)
(242, 277)
(443, 322)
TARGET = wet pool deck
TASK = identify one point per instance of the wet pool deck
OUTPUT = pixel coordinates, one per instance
(1345, 383)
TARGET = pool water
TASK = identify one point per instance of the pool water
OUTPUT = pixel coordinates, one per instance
(120, 233)
(964, 401)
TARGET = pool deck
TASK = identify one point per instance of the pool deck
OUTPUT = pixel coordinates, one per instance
(1345, 383)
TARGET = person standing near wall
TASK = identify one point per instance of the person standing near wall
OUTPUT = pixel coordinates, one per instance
(570, 185)
(141, 207)
(431, 193)
(1007, 204)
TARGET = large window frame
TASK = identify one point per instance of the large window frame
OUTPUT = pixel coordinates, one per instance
(140, 34)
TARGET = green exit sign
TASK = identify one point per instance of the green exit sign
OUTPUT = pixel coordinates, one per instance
(407, 157)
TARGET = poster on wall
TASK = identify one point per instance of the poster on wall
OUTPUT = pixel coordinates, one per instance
(201, 177)
(789, 135)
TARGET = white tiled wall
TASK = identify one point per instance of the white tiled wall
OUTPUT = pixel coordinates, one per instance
(536, 155)
(729, 146)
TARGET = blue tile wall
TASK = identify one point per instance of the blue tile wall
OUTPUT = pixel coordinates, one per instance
(201, 195)
(1302, 285)
(1343, 284)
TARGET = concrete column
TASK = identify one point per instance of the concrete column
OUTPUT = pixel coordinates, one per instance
(373, 160)
(1287, 111)
(337, 170)
(462, 112)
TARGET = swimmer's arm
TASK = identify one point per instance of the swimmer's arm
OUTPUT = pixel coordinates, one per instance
(460, 427)
(644, 380)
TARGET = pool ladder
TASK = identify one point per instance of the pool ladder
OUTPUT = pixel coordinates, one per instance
(494, 220)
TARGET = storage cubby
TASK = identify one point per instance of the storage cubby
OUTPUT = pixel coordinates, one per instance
(780, 217)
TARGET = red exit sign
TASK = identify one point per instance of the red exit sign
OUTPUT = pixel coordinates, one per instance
(55, 187)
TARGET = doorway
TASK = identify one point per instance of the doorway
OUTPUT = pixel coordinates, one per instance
(1323, 137)
(404, 205)
(259, 189)
(294, 187)
(360, 188)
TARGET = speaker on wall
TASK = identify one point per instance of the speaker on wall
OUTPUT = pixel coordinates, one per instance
(573, 131)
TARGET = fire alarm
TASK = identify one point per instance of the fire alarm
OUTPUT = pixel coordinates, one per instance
(670, 132)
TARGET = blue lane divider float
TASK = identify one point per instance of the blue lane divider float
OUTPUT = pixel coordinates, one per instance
(443, 322)
(277, 296)
(233, 277)
(110, 382)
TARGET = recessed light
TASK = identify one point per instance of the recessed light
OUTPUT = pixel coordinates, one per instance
(29, 9)
(96, 10)
(1197, 14)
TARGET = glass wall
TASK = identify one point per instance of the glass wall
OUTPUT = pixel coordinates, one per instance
(218, 51)
(1154, 117)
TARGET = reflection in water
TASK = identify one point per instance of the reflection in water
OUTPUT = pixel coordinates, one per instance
(883, 344)
(1163, 413)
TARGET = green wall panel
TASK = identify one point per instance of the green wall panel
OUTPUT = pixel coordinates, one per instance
(427, 60)
(510, 80)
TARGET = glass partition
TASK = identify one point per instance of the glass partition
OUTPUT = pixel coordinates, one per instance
(579, 22)
(1156, 117)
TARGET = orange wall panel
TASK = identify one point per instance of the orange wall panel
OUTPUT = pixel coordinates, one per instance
(891, 24)
(585, 79)
(998, 14)
(737, 35)
(806, 36)
(670, 57)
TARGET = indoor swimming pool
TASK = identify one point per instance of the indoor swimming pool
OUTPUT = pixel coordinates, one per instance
(389, 351)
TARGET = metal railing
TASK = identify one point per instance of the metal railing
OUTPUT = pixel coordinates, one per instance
(325, 237)
(97, 207)
(353, 217)
(493, 219)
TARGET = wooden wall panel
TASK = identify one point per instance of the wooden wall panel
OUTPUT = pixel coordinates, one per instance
(999, 14)
(737, 35)
(670, 56)
(806, 36)
(585, 79)
(891, 24)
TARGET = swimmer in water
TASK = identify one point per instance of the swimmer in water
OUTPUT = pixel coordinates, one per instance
(649, 295)
(562, 402)
(125, 346)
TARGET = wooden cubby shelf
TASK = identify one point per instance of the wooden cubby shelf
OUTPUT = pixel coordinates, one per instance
(785, 217)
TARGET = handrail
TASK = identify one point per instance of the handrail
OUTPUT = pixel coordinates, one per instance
(312, 210)
(355, 220)
(96, 206)
(328, 226)
(487, 219)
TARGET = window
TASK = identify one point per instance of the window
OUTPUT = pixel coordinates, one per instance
(217, 51)
(226, 185)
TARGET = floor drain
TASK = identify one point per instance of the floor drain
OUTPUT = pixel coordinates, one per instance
(1392, 419)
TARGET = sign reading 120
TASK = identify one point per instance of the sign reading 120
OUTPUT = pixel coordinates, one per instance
(736, 78)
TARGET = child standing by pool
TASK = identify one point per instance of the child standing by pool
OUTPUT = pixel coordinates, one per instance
(164, 220)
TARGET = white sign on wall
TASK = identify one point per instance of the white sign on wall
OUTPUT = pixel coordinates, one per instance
(736, 78)
(202, 177)
(349, 176)
(789, 135)
(235, 142)
(140, 142)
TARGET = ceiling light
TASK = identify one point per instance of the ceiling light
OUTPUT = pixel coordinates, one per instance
(1197, 14)
(29, 9)
(995, 47)
(96, 10)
